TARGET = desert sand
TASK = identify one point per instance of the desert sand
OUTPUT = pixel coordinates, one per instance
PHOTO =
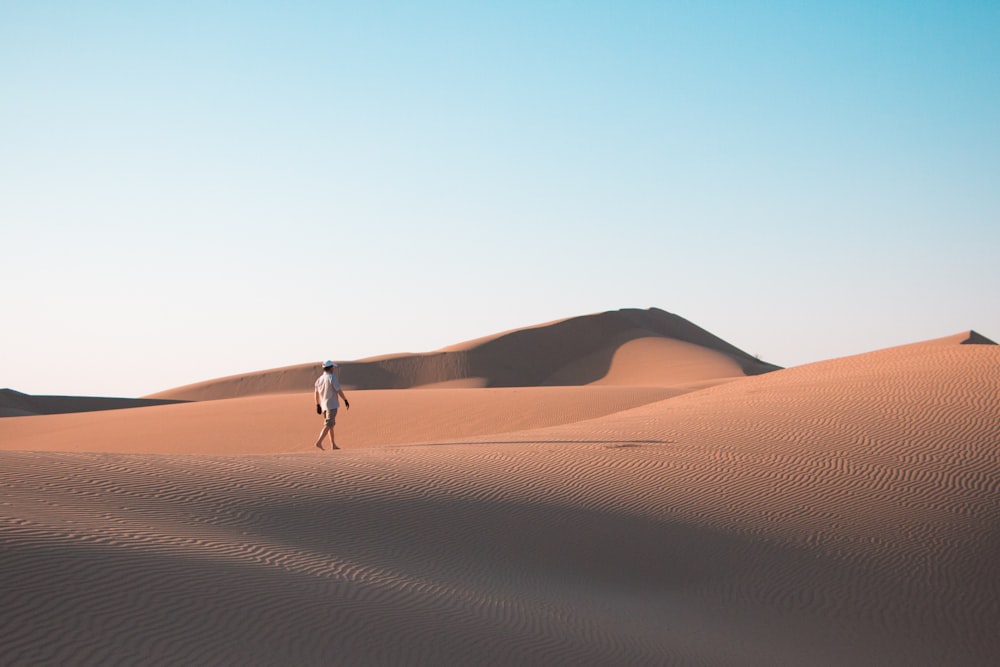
(617, 489)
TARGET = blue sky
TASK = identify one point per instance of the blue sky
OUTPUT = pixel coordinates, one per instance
(201, 189)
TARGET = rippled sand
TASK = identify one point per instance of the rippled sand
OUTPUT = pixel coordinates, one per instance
(841, 513)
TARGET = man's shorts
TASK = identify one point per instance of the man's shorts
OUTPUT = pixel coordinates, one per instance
(331, 417)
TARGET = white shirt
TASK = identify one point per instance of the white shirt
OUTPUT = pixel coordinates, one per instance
(327, 387)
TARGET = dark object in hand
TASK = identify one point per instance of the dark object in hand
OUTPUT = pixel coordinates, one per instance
(319, 410)
(347, 403)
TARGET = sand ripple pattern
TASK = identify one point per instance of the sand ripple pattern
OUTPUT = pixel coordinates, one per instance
(845, 513)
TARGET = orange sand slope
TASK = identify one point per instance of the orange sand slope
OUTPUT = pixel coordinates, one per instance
(841, 513)
(288, 423)
(623, 347)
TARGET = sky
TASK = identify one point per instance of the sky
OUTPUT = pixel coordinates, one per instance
(191, 190)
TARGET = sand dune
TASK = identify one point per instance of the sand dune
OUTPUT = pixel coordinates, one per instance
(15, 404)
(575, 351)
(840, 513)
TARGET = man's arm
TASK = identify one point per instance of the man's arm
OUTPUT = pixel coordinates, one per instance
(347, 403)
(319, 410)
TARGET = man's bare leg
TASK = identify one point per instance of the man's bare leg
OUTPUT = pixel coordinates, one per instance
(319, 442)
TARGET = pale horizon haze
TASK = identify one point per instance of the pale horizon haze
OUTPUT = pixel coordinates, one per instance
(200, 189)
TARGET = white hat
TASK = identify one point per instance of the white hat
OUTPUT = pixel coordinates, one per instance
(330, 364)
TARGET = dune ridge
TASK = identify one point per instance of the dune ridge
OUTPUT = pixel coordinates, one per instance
(844, 512)
(975, 338)
(16, 404)
(575, 351)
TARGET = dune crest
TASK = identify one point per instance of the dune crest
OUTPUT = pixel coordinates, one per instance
(977, 339)
(576, 351)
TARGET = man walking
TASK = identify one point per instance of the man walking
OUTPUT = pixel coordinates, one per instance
(327, 391)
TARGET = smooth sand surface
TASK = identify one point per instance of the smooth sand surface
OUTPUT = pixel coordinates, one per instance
(288, 423)
(841, 513)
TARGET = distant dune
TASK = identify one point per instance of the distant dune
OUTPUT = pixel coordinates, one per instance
(576, 351)
(839, 513)
(15, 404)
